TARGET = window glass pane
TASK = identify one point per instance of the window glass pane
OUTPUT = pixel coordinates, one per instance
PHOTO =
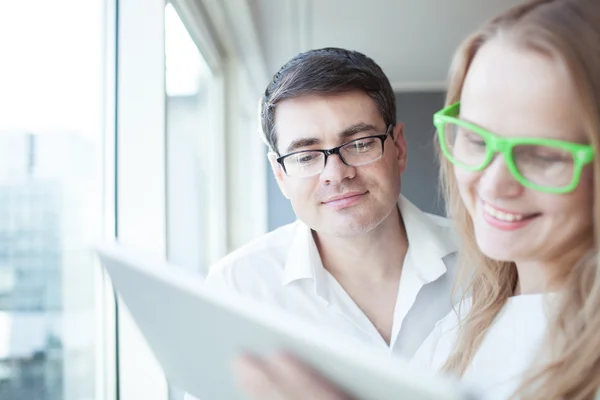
(190, 145)
(51, 125)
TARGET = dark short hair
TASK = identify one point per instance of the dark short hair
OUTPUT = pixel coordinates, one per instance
(326, 71)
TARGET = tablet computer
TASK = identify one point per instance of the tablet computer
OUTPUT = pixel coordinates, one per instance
(195, 332)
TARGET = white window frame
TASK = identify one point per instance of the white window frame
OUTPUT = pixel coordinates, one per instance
(106, 324)
(226, 37)
(197, 24)
(245, 78)
(225, 34)
(141, 174)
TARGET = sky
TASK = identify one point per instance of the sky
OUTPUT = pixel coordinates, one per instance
(52, 69)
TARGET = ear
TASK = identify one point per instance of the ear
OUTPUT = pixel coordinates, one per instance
(277, 172)
(400, 145)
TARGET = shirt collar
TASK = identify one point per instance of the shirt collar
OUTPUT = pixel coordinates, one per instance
(304, 261)
(427, 240)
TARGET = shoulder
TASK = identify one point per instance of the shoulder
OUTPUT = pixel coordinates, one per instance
(454, 317)
(256, 264)
(272, 245)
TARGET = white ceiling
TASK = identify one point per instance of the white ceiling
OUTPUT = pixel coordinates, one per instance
(412, 40)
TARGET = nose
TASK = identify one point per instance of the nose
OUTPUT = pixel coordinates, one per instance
(336, 171)
(497, 182)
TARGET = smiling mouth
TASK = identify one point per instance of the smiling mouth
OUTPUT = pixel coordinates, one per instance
(506, 216)
(347, 196)
(347, 200)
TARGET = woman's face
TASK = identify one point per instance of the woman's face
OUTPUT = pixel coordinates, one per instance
(515, 92)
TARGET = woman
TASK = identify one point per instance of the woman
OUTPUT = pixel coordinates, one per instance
(518, 143)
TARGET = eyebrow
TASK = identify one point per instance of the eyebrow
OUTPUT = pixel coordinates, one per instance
(345, 134)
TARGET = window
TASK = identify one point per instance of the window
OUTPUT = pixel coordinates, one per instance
(51, 141)
(195, 152)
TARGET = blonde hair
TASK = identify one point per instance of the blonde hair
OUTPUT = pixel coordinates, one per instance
(568, 31)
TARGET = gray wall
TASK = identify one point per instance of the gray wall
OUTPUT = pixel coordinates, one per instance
(419, 181)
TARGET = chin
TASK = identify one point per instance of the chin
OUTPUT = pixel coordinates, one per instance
(349, 227)
(348, 230)
(498, 252)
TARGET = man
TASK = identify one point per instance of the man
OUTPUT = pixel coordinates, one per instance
(360, 259)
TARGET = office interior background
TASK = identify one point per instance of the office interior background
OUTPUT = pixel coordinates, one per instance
(138, 119)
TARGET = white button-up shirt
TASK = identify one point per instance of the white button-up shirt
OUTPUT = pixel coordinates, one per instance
(511, 346)
(283, 268)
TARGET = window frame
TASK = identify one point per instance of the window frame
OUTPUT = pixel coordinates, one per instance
(140, 175)
(235, 58)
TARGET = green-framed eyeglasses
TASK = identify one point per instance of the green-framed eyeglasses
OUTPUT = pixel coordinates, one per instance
(545, 165)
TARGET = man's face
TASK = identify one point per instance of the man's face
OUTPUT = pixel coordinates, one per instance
(342, 200)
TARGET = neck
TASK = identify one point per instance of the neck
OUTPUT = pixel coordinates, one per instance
(371, 257)
(533, 278)
(540, 276)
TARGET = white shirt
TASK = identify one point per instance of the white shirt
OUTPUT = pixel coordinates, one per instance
(506, 353)
(283, 268)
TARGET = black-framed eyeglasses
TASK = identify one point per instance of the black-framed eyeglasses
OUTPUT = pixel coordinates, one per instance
(355, 153)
